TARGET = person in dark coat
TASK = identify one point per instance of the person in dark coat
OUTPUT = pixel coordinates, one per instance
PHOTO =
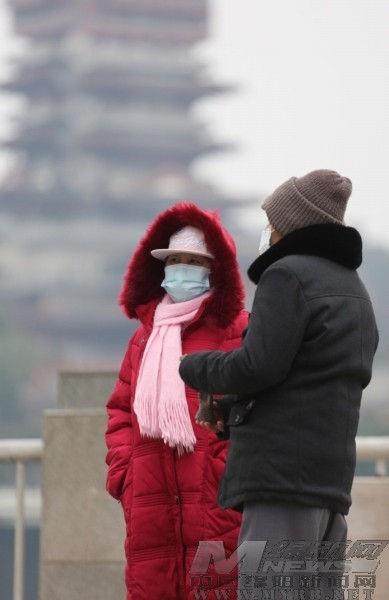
(295, 385)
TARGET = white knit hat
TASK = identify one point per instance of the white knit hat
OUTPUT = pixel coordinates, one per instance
(189, 239)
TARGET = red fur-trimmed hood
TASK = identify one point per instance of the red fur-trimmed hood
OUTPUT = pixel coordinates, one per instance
(142, 282)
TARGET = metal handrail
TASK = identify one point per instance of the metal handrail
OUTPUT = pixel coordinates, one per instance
(20, 451)
(26, 450)
(374, 449)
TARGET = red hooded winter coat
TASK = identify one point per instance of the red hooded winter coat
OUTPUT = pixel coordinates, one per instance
(170, 502)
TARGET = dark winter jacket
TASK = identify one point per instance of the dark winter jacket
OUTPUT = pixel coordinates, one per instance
(170, 502)
(299, 375)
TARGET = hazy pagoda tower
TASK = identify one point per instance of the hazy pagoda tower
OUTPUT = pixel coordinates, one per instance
(109, 85)
(105, 142)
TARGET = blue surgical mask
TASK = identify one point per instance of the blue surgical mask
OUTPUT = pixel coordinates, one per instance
(184, 282)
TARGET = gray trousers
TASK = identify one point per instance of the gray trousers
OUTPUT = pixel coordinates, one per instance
(303, 556)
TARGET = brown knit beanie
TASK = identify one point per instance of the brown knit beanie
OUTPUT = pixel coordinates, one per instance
(318, 197)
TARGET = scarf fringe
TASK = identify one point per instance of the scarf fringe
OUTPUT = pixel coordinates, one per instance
(176, 426)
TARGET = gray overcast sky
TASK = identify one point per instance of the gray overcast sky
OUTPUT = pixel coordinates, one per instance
(314, 93)
(313, 79)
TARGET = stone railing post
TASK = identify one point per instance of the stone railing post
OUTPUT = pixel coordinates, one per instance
(82, 529)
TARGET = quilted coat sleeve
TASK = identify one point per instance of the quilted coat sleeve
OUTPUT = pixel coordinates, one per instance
(269, 347)
(118, 435)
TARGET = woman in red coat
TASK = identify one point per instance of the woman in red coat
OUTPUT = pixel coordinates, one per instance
(184, 286)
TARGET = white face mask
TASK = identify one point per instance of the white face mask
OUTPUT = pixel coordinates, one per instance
(184, 282)
(264, 243)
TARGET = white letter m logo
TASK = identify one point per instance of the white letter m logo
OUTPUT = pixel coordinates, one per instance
(249, 554)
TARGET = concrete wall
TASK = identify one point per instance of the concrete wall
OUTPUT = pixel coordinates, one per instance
(82, 532)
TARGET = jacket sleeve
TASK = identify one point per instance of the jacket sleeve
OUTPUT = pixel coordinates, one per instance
(277, 325)
(118, 435)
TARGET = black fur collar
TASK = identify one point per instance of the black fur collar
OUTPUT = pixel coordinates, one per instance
(338, 243)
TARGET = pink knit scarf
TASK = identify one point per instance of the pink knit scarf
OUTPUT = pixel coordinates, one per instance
(160, 401)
